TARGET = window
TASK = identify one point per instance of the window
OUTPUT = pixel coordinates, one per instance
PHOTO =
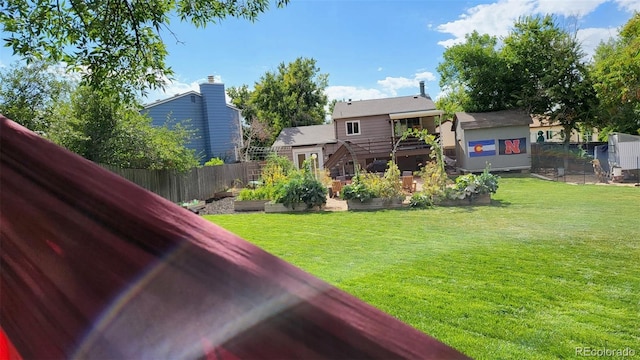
(193, 98)
(549, 134)
(353, 127)
(403, 124)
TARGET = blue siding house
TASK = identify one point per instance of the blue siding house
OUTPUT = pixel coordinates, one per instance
(217, 125)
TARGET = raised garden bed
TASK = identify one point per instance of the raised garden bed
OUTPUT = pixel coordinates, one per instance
(483, 199)
(374, 204)
(249, 205)
(271, 207)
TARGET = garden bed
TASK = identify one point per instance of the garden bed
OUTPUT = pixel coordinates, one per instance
(271, 207)
(249, 205)
(374, 204)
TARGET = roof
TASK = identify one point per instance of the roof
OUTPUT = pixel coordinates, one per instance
(492, 119)
(403, 104)
(622, 137)
(176, 96)
(306, 135)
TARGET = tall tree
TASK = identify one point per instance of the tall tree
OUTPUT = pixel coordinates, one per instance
(616, 70)
(477, 66)
(29, 95)
(291, 96)
(554, 80)
(452, 101)
(114, 43)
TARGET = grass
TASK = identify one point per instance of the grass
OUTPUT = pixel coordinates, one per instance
(548, 268)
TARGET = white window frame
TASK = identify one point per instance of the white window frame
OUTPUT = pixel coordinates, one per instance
(346, 127)
(307, 153)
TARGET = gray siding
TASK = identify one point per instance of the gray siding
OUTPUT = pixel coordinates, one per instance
(186, 109)
(498, 162)
(375, 133)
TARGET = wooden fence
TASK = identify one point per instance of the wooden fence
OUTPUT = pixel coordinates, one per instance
(198, 183)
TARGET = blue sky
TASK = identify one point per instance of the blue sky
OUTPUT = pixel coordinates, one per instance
(369, 48)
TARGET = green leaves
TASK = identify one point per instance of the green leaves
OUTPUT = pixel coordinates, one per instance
(539, 68)
(115, 44)
(616, 71)
(291, 96)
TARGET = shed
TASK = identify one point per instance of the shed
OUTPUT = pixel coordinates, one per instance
(500, 138)
(624, 151)
(303, 142)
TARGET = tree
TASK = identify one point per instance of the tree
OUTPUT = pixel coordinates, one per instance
(106, 131)
(554, 81)
(29, 95)
(291, 96)
(477, 67)
(616, 70)
(452, 101)
(116, 44)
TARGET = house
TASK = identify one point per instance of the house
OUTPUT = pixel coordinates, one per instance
(554, 132)
(363, 132)
(217, 125)
(500, 138)
(369, 130)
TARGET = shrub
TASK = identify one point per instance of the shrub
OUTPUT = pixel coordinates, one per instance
(259, 193)
(421, 200)
(367, 185)
(470, 185)
(214, 162)
(276, 170)
(302, 187)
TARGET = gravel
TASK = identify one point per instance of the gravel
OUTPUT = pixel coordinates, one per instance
(222, 206)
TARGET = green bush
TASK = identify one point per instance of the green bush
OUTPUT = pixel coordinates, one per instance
(214, 162)
(276, 170)
(367, 185)
(301, 189)
(421, 200)
(470, 185)
(259, 193)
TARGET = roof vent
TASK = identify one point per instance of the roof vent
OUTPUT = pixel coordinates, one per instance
(349, 102)
(211, 79)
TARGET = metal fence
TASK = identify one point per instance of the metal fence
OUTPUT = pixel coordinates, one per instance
(552, 161)
(198, 183)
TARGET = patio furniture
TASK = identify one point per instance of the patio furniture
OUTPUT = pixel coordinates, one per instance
(409, 184)
(336, 187)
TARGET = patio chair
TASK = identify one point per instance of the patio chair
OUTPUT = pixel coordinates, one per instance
(409, 184)
(336, 187)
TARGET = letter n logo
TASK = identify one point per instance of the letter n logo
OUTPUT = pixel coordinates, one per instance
(512, 146)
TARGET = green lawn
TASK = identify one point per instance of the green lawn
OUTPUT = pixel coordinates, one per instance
(547, 268)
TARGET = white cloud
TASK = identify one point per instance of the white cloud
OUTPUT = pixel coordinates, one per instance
(497, 18)
(493, 19)
(177, 87)
(629, 5)
(352, 92)
(590, 38)
(393, 84)
(567, 8)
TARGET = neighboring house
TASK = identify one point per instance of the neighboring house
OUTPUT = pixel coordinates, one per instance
(217, 125)
(553, 132)
(500, 138)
